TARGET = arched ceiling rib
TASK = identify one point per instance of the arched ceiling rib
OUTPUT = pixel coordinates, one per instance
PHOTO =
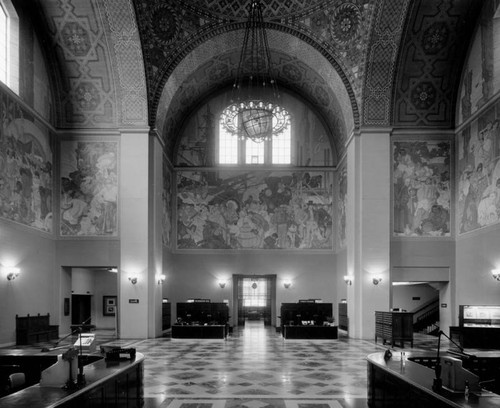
(301, 69)
(188, 30)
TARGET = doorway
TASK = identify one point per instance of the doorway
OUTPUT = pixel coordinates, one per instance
(81, 309)
(255, 298)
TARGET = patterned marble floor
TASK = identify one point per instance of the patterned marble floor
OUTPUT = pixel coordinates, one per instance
(256, 368)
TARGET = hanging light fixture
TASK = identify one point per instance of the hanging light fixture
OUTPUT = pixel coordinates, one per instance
(254, 113)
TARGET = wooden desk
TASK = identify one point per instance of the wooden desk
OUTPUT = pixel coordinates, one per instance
(391, 386)
(310, 332)
(194, 331)
(117, 383)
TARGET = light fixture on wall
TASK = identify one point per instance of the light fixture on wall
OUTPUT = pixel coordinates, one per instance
(377, 279)
(133, 279)
(287, 283)
(348, 279)
(222, 283)
(11, 272)
(161, 279)
(496, 274)
(255, 90)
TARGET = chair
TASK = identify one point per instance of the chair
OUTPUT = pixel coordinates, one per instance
(16, 381)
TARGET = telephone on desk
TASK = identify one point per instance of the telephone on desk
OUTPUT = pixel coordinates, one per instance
(117, 354)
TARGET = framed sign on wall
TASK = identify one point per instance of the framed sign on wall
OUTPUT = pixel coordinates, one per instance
(109, 305)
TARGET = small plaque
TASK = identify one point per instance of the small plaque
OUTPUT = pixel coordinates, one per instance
(444, 305)
(133, 301)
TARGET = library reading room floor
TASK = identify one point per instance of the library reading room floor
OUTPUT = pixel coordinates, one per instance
(256, 368)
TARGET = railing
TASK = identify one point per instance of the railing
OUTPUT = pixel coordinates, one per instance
(425, 317)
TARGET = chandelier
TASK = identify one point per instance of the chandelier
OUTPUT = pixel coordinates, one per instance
(253, 113)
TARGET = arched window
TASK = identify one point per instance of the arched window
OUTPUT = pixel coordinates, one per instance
(274, 146)
(9, 45)
(3, 44)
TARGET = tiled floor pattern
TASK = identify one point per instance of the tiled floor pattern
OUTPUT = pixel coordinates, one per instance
(256, 368)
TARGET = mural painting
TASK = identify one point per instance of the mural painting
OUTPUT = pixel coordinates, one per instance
(478, 172)
(421, 188)
(254, 210)
(342, 207)
(167, 206)
(89, 188)
(26, 163)
(480, 81)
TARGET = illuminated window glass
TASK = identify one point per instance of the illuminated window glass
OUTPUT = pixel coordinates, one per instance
(3, 44)
(254, 292)
(276, 149)
(254, 152)
(228, 147)
(9, 45)
(282, 144)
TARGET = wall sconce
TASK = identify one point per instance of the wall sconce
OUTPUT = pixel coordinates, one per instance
(222, 283)
(496, 274)
(348, 279)
(12, 273)
(161, 279)
(287, 284)
(133, 279)
(377, 279)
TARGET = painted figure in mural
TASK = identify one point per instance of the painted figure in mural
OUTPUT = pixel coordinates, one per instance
(89, 189)
(421, 188)
(403, 217)
(437, 222)
(479, 169)
(74, 207)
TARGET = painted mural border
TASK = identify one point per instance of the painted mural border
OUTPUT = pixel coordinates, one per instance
(252, 170)
(87, 136)
(433, 137)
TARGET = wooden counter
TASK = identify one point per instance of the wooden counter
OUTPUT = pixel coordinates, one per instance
(310, 332)
(113, 383)
(198, 331)
(390, 385)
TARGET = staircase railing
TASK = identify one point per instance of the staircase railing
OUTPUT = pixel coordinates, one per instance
(426, 315)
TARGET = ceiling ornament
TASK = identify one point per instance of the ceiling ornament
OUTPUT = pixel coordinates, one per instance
(254, 112)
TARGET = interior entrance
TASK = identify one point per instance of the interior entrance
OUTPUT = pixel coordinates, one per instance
(256, 298)
(81, 309)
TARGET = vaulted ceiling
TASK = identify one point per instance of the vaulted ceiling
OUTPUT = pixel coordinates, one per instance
(358, 63)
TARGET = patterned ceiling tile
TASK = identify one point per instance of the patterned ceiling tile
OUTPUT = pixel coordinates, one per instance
(380, 65)
(128, 60)
(429, 67)
(88, 95)
(270, 8)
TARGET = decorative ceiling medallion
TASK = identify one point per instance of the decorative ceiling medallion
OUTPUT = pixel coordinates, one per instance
(76, 39)
(345, 23)
(164, 24)
(292, 73)
(435, 38)
(87, 97)
(423, 95)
